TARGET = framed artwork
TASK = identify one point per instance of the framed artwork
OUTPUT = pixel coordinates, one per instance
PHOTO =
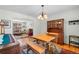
(74, 22)
(7, 23)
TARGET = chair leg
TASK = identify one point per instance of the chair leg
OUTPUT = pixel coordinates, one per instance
(27, 51)
(28, 48)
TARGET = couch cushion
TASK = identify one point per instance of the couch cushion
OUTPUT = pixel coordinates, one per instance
(6, 39)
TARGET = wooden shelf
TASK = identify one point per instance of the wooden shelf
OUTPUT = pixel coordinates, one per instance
(17, 28)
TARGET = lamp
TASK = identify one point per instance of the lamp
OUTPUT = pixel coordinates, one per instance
(43, 14)
(1, 22)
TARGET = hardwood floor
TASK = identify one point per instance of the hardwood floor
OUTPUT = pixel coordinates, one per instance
(66, 48)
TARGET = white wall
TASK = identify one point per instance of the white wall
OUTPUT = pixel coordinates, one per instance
(40, 26)
(43, 26)
(8, 15)
(72, 14)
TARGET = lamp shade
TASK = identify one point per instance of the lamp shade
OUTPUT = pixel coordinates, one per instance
(1, 23)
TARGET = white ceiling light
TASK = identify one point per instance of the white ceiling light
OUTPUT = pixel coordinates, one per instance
(43, 14)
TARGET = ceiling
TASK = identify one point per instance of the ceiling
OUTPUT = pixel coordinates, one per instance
(34, 10)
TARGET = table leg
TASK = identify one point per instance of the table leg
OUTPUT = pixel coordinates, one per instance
(69, 40)
(47, 48)
(37, 41)
(46, 51)
(28, 48)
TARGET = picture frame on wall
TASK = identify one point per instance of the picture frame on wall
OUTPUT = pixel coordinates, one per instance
(74, 22)
(7, 23)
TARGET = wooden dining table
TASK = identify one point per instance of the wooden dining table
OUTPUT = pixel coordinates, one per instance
(44, 38)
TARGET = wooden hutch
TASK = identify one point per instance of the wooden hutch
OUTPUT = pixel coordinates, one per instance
(57, 26)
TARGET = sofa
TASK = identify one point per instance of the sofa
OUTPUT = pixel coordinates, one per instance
(13, 47)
